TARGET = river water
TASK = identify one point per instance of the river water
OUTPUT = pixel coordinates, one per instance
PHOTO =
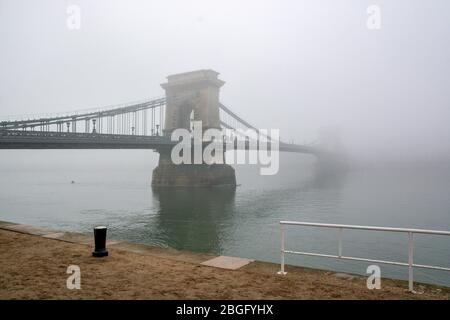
(112, 188)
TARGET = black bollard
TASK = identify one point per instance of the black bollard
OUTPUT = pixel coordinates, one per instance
(100, 242)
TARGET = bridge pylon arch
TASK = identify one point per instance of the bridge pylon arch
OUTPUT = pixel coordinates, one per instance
(197, 92)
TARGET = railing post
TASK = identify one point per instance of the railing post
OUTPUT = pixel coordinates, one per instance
(340, 242)
(282, 272)
(410, 262)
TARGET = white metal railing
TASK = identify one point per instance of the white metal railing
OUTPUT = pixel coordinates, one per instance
(410, 264)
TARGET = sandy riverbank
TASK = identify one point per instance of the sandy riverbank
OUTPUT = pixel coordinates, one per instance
(34, 267)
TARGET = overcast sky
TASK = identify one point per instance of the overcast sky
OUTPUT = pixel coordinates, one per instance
(299, 66)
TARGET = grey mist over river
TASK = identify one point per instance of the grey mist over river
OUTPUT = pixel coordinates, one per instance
(113, 188)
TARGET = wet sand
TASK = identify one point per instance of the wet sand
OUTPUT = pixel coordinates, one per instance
(34, 267)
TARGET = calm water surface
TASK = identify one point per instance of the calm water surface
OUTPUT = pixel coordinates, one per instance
(113, 188)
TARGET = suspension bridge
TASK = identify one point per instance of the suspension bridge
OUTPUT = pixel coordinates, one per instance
(146, 124)
(130, 126)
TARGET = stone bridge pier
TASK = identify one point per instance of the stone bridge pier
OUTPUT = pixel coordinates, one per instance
(191, 96)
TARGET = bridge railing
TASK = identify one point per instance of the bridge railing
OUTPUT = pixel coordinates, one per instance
(74, 135)
(340, 227)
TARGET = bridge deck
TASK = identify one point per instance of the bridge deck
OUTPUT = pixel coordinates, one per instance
(11, 139)
(17, 139)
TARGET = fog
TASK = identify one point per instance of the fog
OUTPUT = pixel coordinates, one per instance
(300, 66)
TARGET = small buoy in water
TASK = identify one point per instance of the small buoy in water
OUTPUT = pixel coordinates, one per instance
(72, 182)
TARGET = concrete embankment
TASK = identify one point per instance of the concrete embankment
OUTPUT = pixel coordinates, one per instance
(34, 262)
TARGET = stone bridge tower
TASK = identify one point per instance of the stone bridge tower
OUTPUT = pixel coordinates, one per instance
(191, 95)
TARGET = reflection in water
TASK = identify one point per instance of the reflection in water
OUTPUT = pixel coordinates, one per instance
(193, 218)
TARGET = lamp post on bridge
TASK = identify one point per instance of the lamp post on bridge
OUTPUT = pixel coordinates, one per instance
(93, 125)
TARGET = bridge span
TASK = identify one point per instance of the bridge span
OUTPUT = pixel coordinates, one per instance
(148, 124)
(21, 139)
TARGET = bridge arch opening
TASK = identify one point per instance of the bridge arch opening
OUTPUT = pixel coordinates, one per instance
(191, 96)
